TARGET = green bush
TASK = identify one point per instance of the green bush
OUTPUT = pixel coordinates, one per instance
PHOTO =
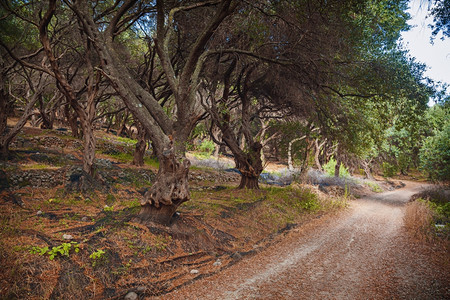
(389, 169)
(435, 155)
(330, 166)
(207, 146)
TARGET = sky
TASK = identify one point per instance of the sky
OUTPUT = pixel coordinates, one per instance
(436, 56)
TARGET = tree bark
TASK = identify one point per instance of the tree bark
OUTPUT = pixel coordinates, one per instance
(7, 137)
(250, 165)
(169, 191)
(366, 168)
(318, 147)
(337, 167)
(141, 145)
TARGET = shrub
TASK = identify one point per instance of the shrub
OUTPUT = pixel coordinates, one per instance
(207, 146)
(389, 169)
(435, 155)
(330, 166)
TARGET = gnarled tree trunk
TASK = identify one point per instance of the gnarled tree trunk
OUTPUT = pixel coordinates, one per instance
(366, 167)
(170, 190)
(250, 165)
(141, 145)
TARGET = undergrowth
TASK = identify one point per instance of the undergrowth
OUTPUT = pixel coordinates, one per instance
(428, 216)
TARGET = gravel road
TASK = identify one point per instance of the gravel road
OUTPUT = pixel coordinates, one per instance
(362, 253)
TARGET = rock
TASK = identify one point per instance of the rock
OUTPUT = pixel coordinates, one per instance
(195, 271)
(141, 289)
(236, 255)
(84, 219)
(67, 236)
(39, 212)
(131, 296)
(217, 263)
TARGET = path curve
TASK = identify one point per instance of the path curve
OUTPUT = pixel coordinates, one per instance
(362, 253)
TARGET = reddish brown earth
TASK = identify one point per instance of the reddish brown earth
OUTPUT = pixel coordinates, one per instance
(363, 253)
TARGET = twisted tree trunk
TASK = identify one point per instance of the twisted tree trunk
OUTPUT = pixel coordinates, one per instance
(170, 190)
(141, 145)
(250, 165)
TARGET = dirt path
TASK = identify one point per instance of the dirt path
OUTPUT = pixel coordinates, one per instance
(360, 254)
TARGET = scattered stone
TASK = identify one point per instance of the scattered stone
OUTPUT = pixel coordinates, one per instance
(217, 263)
(39, 212)
(67, 236)
(236, 256)
(131, 296)
(195, 271)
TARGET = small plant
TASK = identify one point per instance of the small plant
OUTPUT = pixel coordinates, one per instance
(108, 208)
(61, 250)
(374, 187)
(330, 166)
(207, 146)
(97, 257)
(310, 204)
(162, 242)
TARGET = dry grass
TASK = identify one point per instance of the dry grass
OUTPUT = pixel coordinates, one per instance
(418, 219)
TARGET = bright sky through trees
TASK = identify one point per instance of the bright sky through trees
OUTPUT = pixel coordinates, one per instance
(437, 55)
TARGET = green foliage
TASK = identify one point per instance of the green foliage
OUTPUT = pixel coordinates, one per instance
(97, 257)
(122, 157)
(389, 169)
(152, 162)
(374, 187)
(435, 154)
(296, 198)
(108, 208)
(330, 166)
(161, 242)
(207, 146)
(62, 250)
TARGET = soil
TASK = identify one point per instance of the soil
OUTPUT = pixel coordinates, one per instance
(363, 253)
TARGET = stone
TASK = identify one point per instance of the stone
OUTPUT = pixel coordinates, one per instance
(217, 263)
(131, 296)
(195, 271)
(236, 256)
(141, 289)
(67, 236)
(39, 212)
(84, 219)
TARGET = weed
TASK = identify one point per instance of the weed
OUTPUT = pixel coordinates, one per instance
(134, 203)
(162, 242)
(122, 157)
(108, 208)
(97, 257)
(61, 250)
(330, 166)
(152, 162)
(374, 187)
